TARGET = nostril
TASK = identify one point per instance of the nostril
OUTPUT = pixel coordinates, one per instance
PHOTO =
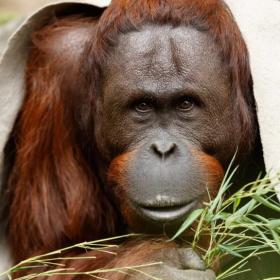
(171, 149)
(163, 149)
(156, 150)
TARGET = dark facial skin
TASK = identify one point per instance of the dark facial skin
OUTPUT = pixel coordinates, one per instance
(165, 105)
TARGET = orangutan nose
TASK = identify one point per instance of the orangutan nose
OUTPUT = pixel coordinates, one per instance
(163, 149)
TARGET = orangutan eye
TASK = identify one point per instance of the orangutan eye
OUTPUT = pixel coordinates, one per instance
(186, 104)
(144, 107)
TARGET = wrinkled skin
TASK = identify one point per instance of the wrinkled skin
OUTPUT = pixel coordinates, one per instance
(165, 101)
(164, 67)
(165, 107)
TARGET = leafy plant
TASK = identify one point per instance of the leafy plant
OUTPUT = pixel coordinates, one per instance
(235, 226)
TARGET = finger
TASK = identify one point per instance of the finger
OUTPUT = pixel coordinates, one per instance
(169, 256)
(190, 259)
(165, 272)
(200, 275)
(189, 274)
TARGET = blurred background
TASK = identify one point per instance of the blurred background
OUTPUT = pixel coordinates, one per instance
(18, 7)
(12, 12)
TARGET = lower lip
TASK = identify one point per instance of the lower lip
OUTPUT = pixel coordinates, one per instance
(167, 215)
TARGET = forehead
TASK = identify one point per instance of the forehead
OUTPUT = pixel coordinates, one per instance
(157, 58)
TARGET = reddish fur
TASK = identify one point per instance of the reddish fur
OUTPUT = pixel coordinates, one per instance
(118, 167)
(117, 178)
(56, 198)
(214, 172)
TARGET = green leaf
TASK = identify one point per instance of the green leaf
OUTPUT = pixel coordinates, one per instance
(266, 203)
(221, 216)
(274, 224)
(230, 250)
(236, 204)
(188, 222)
(237, 216)
(277, 239)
